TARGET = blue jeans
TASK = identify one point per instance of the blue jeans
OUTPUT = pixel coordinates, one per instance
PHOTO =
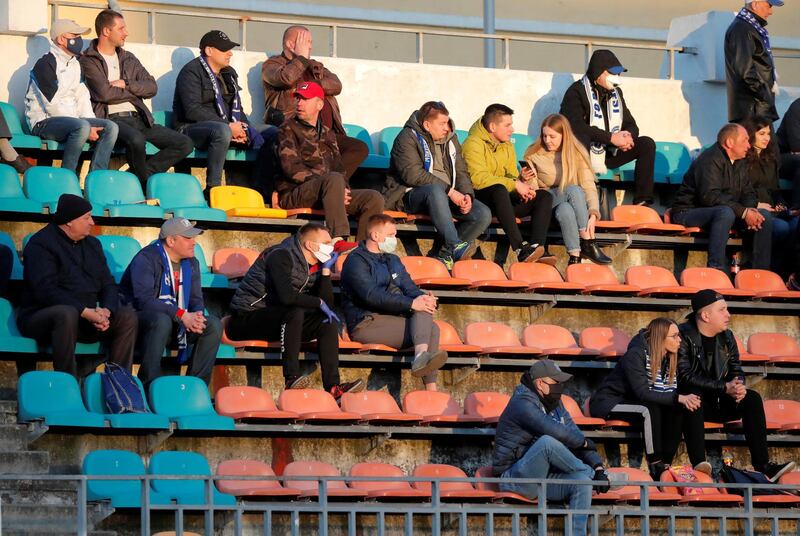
(572, 214)
(73, 132)
(431, 199)
(549, 458)
(214, 137)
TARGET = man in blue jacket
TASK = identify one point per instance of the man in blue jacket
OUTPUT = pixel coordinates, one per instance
(382, 305)
(162, 283)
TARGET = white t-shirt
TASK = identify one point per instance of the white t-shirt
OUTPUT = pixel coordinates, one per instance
(112, 64)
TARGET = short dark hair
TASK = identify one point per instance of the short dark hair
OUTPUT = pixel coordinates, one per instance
(430, 110)
(493, 113)
(376, 220)
(727, 132)
(311, 227)
(105, 19)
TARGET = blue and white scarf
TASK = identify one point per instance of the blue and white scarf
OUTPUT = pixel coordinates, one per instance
(176, 297)
(427, 156)
(747, 16)
(253, 136)
(597, 151)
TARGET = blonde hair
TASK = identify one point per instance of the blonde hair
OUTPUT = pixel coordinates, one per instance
(573, 154)
(656, 336)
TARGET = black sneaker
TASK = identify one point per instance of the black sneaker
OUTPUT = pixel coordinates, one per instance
(773, 471)
(529, 252)
(298, 382)
(350, 387)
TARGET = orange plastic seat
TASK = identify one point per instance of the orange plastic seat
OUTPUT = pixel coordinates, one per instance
(704, 496)
(779, 414)
(248, 343)
(499, 496)
(610, 423)
(315, 406)
(554, 341)
(438, 409)
(747, 357)
(497, 339)
(608, 342)
(656, 282)
(781, 348)
(250, 404)
(790, 479)
(587, 423)
(346, 345)
(598, 280)
(430, 273)
(486, 405)
(396, 214)
(449, 491)
(767, 285)
(632, 494)
(398, 490)
(486, 275)
(377, 407)
(233, 263)
(335, 489)
(263, 489)
(703, 278)
(644, 220)
(450, 342)
(542, 278)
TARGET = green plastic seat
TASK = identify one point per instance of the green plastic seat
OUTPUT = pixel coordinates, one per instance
(12, 199)
(55, 398)
(521, 143)
(207, 279)
(119, 252)
(16, 268)
(386, 140)
(95, 402)
(185, 401)
(46, 184)
(182, 195)
(185, 491)
(373, 161)
(121, 493)
(120, 193)
(10, 339)
(20, 137)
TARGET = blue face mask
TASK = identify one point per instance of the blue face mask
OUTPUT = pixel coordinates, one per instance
(75, 45)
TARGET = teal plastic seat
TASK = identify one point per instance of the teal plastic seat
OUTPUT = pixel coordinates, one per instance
(119, 252)
(185, 401)
(55, 398)
(625, 171)
(461, 135)
(120, 193)
(386, 140)
(521, 143)
(20, 137)
(373, 161)
(121, 493)
(185, 491)
(182, 195)
(16, 268)
(672, 162)
(226, 351)
(96, 403)
(46, 184)
(10, 339)
(207, 279)
(11, 197)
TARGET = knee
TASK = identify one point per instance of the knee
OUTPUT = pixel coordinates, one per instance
(565, 213)
(544, 199)
(66, 317)
(575, 194)
(725, 215)
(498, 193)
(111, 130)
(753, 399)
(82, 130)
(213, 327)
(126, 318)
(221, 133)
(646, 144)
(185, 145)
(374, 201)
(481, 213)
(137, 139)
(548, 443)
(334, 183)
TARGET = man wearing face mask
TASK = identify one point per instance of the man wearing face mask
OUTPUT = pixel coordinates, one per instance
(287, 295)
(57, 104)
(601, 120)
(382, 305)
(537, 438)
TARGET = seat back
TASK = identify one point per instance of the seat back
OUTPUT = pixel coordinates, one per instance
(93, 393)
(591, 274)
(447, 333)
(16, 266)
(10, 186)
(487, 334)
(307, 401)
(233, 262)
(46, 184)
(635, 214)
(367, 402)
(703, 278)
(534, 272)
(359, 133)
(245, 468)
(571, 406)
(381, 470)
(772, 344)
(462, 135)
(240, 398)
(42, 392)
(229, 197)
(386, 140)
(790, 479)
(672, 159)
(8, 320)
(15, 126)
(759, 281)
(634, 475)
(521, 142)
(309, 469)
(113, 187)
(440, 470)
(180, 396)
(739, 345)
(485, 404)
(604, 340)
(201, 259)
(476, 270)
(650, 276)
(165, 118)
(119, 251)
(175, 190)
(548, 336)
(113, 462)
(422, 267)
(179, 463)
(430, 404)
(782, 411)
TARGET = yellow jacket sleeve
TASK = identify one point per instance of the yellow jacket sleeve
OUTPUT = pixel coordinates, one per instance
(480, 171)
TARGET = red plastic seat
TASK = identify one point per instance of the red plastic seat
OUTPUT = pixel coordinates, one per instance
(430, 273)
(656, 282)
(315, 406)
(449, 491)
(248, 343)
(632, 494)
(554, 341)
(486, 275)
(450, 342)
(644, 220)
(608, 342)
(542, 278)
(587, 423)
(250, 404)
(781, 348)
(497, 339)
(233, 263)
(263, 489)
(704, 496)
(703, 278)
(438, 409)
(398, 490)
(486, 405)
(336, 489)
(499, 496)
(767, 285)
(747, 357)
(598, 280)
(377, 407)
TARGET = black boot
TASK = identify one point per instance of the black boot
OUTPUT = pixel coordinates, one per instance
(656, 468)
(590, 250)
(574, 259)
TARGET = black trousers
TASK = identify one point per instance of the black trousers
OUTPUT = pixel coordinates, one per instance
(790, 170)
(666, 425)
(644, 152)
(507, 206)
(292, 326)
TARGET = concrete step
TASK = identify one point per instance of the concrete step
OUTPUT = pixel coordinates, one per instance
(55, 493)
(50, 519)
(14, 437)
(24, 462)
(8, 411)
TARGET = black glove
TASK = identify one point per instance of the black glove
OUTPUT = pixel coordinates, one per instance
(601, 477)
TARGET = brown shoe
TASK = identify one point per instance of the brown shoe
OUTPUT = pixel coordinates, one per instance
(20, 164)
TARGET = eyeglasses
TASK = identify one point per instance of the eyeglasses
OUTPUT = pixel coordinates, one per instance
(676, 336)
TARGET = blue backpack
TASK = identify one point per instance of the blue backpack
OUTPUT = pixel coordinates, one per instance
(121, 391)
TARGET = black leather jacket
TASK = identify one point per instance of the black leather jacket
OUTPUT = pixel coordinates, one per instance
(695, 373)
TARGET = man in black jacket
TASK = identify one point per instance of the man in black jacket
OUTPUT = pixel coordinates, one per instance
(717, 194)
(70, 294)
(287, 295)
(708, 366)
(749, 66)
(601, 120)
(788, 136)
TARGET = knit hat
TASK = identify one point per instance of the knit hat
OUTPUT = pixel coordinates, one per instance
(70, 207)
(704, 298)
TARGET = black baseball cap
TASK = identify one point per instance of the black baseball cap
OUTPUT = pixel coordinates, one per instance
(704, 298)
(545, 368)
(217, 39)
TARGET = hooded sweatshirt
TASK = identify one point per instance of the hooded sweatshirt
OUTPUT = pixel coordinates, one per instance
(489, 162)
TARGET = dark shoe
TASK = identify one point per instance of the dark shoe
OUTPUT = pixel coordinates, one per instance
(298, 382)
(657, 469)
(462, 251)
(548, 258)
(447, 260)
(343, 246)
(574, 259)
(590, 250)
(427, 362)
(19, 164)
(773, 471)
(529, 252)
(350, 387)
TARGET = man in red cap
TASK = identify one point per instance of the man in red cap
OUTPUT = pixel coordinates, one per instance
(313, 175)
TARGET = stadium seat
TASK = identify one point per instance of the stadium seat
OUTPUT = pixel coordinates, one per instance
(461, 135)
(438, 409)
(315, 406)
(346, 345)
(542, 278)
(672, 162)
(781, 416)
(96, 403)
(249, 343)
(703, 496)
(583, 422)
(233, 263)
(499, 496)
(252, 489)
(767, 285)
(747, 357)
(377, 407)
(12, 199)
(781, 348)
(20, 139)
(521, 142)
(185, 491)
(610, 423)
(121, 493)
(119, 193)
(46, 184)
(486, 275)
(10, 340)
(644, 220)
(185, 401)
(608, 342)
(397, 490)
(335, 489)
(208, 279)
(181, 195)
(450, 342)
(703, 278)
(16, 267)
(55, 399)
(250, 405)
(656, 282)
(497, 339)
(554, 341)
(119, 252)
(386, 140)
(449, 491)
(430, 273)
(633, 494)
(243, 202)
(486, 405)
(373, 160)
(598, 280)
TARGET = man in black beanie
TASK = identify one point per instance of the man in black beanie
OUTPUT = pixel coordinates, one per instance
(70, 294)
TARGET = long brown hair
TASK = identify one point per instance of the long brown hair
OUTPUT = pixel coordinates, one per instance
(573, 153)
(655, 335)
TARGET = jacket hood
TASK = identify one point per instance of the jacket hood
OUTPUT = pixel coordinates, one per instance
(414, 124)
(639, 341)
(601, 61)
(477, 129)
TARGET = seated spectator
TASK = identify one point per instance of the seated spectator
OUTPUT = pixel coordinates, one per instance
(428, 175)
(382, 305)
(596, 110)
(709, 366)
(281, 74)
(118, 84)
(162, 283)
(499, 184)
(8, 155)
(717, 195)
(208, 107)
(560, 164)
(313, 174)
(537, 438)
(287, 295)
(788, 137)
(57, 104)
(644, 383)
(70, 295)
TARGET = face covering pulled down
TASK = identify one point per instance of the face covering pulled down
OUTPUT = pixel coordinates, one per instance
(323, 254)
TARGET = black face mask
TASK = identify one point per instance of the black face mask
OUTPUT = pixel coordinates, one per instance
(552, 398)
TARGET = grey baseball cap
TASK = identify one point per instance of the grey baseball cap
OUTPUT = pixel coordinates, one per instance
(179, 227)
(545, 368)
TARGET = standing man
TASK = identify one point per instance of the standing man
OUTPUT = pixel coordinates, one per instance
(57, 104)
(749, 66)
(282, 74)
(163, 284)
(118, 84)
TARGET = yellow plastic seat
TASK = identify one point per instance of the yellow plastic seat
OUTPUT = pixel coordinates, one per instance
(243, 202)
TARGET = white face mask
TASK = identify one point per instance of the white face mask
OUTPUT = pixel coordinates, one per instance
(323, 254)
(613, 80)
(389, 244)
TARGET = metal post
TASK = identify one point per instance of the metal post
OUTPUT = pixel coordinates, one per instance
(243, 32)
(334, 40)
(151, 27)
(507, 53)
(671, 64)
(488, 28)
(82, 528)
(420, 48)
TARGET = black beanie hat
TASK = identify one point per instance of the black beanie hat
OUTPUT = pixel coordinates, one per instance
(70, 207)
(704, 298)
